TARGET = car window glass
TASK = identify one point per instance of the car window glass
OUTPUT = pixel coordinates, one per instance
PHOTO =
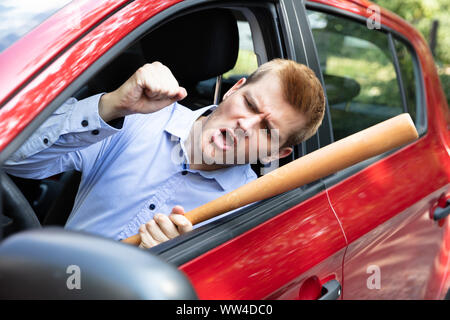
(359, 73)
(409, 76)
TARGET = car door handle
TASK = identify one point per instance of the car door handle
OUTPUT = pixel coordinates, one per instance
(331, 290)
(441, 213)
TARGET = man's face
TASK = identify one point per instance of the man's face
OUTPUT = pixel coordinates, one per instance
(251, 123)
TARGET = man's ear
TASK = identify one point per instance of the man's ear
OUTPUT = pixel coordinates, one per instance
(236, 86)
(282, 153)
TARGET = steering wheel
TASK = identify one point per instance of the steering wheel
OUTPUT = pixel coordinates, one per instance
(16, 206)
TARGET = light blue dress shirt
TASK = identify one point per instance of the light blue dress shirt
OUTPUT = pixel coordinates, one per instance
(128, 174)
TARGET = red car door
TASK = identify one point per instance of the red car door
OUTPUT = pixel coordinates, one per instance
(396, 249)
(289, 256)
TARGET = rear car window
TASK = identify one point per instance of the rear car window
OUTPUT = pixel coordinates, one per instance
(19, 17)
(359, 73)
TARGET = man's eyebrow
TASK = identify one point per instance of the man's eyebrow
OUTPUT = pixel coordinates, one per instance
(254, 103)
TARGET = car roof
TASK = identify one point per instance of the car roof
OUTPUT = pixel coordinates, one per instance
(26, 56)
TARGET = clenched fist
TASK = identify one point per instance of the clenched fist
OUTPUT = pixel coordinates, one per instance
(151, 88)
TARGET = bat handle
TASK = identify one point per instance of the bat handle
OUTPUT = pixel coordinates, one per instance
(134, 240)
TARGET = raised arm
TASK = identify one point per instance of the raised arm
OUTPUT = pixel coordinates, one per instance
(151, 88)
(85, 125)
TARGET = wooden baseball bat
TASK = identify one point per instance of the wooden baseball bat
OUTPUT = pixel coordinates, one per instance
(375, 140)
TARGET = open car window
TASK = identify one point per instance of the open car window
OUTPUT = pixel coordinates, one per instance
(259, 41)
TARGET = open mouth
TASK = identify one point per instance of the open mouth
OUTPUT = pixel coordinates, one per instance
(224, 139)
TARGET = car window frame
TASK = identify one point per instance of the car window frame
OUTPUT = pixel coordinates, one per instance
(421, 113)
(209, 236)
(295, 12)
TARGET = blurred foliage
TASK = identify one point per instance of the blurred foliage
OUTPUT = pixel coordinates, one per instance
(246, 63)
(360, 78)
(421, 13)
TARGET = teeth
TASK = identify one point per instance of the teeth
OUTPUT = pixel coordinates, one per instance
(227, 140)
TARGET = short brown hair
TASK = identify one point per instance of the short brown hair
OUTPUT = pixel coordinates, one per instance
(301, 89)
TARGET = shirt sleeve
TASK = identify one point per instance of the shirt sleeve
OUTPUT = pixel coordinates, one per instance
(56, 145)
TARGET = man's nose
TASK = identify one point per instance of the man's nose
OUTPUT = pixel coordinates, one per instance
(250, 123)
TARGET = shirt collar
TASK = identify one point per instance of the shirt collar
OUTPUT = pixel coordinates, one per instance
(228, 178)
(180, 126)
(183, 119)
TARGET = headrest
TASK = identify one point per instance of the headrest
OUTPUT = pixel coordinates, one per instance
(195, 47)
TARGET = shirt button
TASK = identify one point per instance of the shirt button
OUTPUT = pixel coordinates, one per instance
(84, 123)
(184, 172)
(152, 207)
(95, 132)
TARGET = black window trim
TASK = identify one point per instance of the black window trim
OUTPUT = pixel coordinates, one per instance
(398, 72)
(421, 105)
(294, 11)
(421, 113)
(182, 249)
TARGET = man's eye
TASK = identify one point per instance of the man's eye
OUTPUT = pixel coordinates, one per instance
(249, 105)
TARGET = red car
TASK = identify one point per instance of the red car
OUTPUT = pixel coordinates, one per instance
(376, 230)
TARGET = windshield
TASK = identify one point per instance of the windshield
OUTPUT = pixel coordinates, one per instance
(17, 17)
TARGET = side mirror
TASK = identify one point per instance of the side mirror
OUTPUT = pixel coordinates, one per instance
(55, 263)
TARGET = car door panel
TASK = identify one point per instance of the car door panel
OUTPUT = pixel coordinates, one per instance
(385, 212)
(395, 248)
(274, 258)
(404, 252)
